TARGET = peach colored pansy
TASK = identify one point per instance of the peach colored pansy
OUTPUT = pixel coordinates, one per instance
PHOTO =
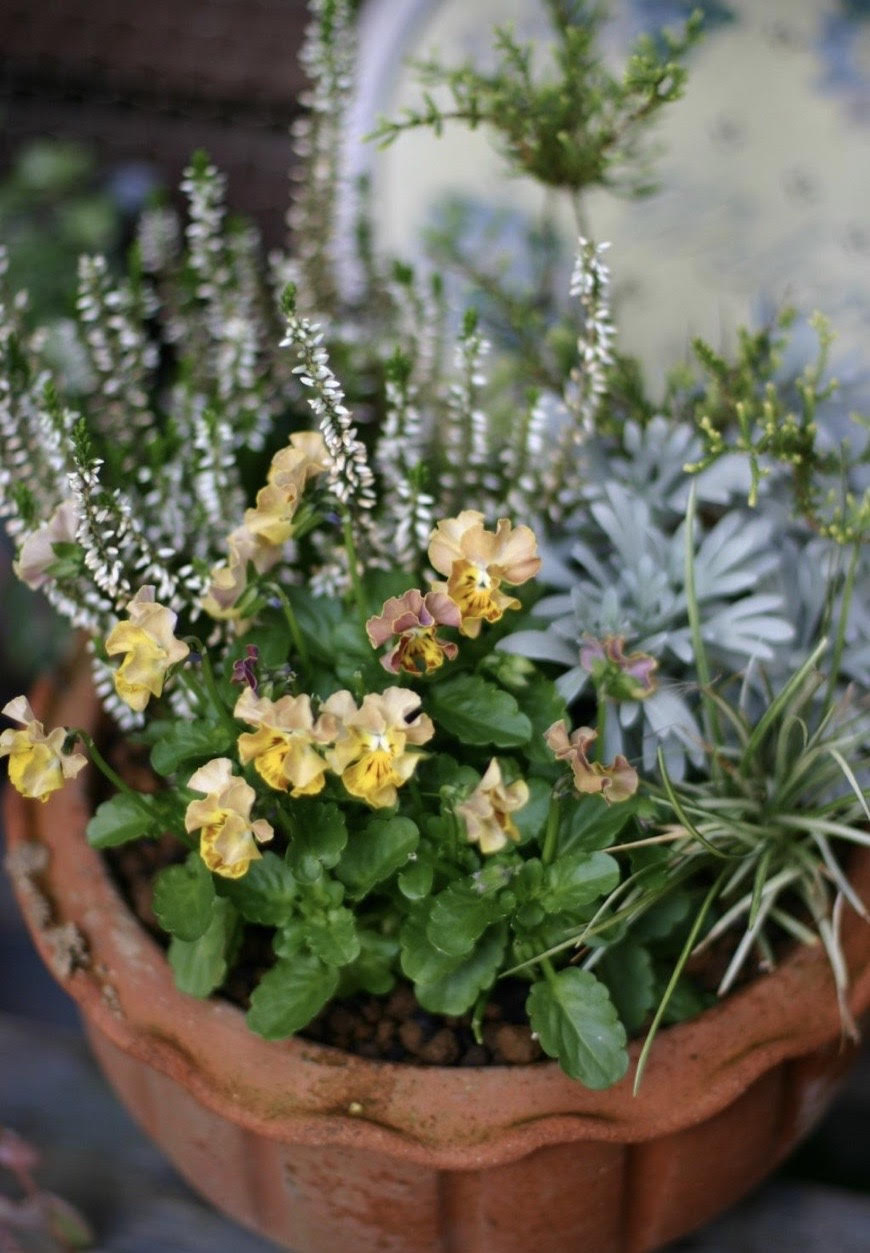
(616, 782)
(38, 764)
(150, 646)
(487, 812)
(228, 838)
(412, 620)
(371, 751)
(283, 746)
(37, 555)
(477, 562)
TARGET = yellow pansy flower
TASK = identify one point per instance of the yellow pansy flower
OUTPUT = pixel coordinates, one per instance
(38, 764)
(477, 562)
(371, 745)
(282, 748)
(150, 647)
(487, 812)
(228, 838)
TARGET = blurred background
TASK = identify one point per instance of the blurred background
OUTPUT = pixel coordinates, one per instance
(765, 167)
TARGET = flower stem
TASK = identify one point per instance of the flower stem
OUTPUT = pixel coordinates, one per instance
(549, 848)
(353, 570)
(211, 688)
(295, 630)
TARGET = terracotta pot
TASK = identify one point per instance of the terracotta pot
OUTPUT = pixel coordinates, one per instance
(320, 1150)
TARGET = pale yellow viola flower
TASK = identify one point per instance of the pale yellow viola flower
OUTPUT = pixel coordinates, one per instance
(283, 746)
(228, 838)
(36, 554)
(150, 646)
(230, 578)
(616, 782)
(271, 520)
(487, 811)
(38, 764)
(371, 751)
(304, 458)
(477, 562)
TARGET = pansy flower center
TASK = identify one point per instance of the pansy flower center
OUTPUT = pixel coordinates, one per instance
(471, 587)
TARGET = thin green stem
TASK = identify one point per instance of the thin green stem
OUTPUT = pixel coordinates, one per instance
(674, 979)
(295, 630)
(211, 688)
(840, 638)
(711, 713)
(601, 725)
(103, 766)
(548, 969)
(548, 850)
(353, 571)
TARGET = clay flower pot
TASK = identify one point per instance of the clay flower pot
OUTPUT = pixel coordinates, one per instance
(320, 1150)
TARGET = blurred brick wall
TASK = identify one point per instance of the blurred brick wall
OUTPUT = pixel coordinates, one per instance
(155, 81)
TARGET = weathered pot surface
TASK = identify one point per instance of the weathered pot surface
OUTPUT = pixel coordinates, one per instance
(321, 1150)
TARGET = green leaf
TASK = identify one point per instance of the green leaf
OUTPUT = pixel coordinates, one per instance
(319, 836)
(184, 743)
(590, 823)
(454, 991)
(577, 1024)
(415, 883)
(662, 918)
(374, 969)
(200, 965)
(333, 938)
(316, 616)
(266, 894)
(531, 818)
(121, 818)
(478, 712)
(541, 703)
(378, 851)
(574, 881)
(272, 641)
(291, 939)
(459, 916)
(627, 971)
(290, 995)
(184, 898)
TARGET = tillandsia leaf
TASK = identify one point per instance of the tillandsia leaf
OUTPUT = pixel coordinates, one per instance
(781, 702)
(679, 967)
(577, 1023)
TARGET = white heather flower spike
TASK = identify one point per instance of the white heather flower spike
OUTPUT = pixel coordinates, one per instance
(466, 432)
(328, 56)
(349, 473)
(590, 283)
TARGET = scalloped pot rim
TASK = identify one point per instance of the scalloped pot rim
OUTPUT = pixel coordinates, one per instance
(442, 1117)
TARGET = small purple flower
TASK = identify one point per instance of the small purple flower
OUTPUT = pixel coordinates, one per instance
(617, 674)
(244, 669)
